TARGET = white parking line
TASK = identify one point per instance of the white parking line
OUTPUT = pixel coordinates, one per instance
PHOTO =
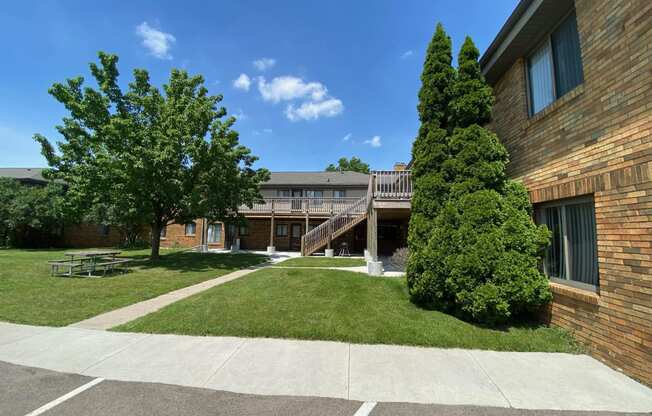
(365, 409)
(65, 397)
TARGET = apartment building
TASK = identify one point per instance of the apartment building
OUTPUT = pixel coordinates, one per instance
(573, 87)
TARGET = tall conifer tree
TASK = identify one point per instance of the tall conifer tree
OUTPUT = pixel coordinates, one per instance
(430, 148)
(480, 261)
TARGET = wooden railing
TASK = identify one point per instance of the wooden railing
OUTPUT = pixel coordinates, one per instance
(317, 206)
(392, 184)
(326, 231)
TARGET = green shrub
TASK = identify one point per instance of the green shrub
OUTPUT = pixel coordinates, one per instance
(474, 249)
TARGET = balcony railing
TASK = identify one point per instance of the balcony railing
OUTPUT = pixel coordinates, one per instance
(392, 184)
(298, 205)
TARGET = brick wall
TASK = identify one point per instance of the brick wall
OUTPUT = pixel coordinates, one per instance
(175, 236)
(257, 237)
(90, 235)
(597, 140)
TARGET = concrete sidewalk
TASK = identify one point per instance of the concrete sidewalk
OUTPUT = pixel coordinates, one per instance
(370, 373)
(128, 313)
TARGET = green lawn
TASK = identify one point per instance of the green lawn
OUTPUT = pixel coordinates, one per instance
(334, 305)
(29, 295)
(322, 262)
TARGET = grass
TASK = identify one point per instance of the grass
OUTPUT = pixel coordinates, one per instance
(335, 305)
(322, 262)
(29, 295)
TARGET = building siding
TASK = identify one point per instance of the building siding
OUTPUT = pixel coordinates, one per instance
(597, 140)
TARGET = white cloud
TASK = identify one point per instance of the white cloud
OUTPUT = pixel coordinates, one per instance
(347, 137)
(374, 141)
(407, 54)
(264, 64)
(311, 110)
(158, 43)
(240, 115)
(287, 88)
(243, 82)
(316, 102)
(263, 131)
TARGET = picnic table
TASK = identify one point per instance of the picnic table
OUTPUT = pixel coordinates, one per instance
(87, 262)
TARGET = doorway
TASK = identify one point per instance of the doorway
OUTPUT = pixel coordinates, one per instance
(295, 237)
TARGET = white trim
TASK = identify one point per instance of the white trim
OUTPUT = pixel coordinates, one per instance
(365, 409)
(65, 397)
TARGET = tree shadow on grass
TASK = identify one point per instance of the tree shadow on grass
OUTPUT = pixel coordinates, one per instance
(184, 261)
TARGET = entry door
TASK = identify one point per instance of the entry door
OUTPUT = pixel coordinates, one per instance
(296, 203)
(295, 237)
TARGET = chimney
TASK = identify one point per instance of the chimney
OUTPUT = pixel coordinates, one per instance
(400, 166)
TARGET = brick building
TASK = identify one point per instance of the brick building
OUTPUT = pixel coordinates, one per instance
(573, 87)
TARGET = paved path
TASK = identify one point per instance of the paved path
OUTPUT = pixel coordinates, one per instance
(356, 269)
(121, 316)
(366, 373)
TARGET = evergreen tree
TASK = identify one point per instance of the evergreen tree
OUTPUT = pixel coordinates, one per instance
(481, 261)
(429, 150)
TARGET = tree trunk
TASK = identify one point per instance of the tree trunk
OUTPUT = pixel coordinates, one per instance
(156, 241)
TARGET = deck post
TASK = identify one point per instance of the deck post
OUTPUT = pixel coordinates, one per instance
(372, 233)
(271, 249)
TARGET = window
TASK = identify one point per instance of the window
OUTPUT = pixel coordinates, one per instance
(283, 193)
(572, 256)
(214, 233)
(314, 194)
(244, 230)
(104, 230)
(339, 193)
(555, 67)
(191, 228)
(164, 231)
(281, 230)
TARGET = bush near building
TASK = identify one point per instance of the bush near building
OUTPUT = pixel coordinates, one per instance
(474, 249)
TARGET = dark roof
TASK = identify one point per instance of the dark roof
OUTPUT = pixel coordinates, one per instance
(526, 26)
(318, 179)
(23, 174)
(276, 178)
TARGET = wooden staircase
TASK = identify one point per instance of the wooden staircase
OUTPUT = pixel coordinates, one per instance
(337, 225)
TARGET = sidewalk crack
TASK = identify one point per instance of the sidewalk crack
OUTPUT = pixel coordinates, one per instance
(490, 379)
(235, 351)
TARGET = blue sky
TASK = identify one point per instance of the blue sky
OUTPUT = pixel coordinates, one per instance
(321, 80)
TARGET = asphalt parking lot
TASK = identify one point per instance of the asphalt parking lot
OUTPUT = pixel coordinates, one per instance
(33, 391)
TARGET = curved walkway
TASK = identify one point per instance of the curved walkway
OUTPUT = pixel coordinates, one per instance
(370, 373)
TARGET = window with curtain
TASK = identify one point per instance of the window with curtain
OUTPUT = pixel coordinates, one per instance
(573, 252)
(555, 67)
(214, 233)
(281, 230)
(190, 228)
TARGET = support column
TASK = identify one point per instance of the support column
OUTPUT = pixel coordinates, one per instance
(374, 267)
(271, 249)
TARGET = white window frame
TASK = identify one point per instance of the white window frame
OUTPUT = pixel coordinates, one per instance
(563, 203)
(546, 39)
(185, 229)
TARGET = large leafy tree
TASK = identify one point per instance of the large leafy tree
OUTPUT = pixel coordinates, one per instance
(430, 150)
(30, 215)
(352, 165)
(481, 259)
(149, 156)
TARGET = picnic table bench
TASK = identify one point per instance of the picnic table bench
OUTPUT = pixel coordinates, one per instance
(88, 262)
